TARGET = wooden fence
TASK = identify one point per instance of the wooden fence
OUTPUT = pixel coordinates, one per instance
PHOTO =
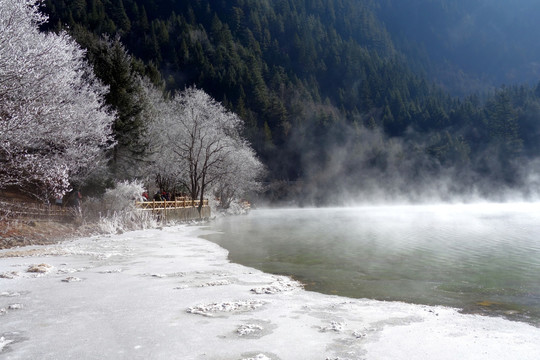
(183, 209)
(180, 203)
(18, 209)
(12, 209)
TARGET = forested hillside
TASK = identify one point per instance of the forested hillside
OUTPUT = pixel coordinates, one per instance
(332, 98)
(467, 44)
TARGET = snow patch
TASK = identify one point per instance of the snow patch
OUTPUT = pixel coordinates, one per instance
(4, 343)
(160, 276)
(10, 275)
(258, 357)
(176, 274)
(282, 284)
(69, 271)
(70, 279)
(221, 274)
(4, 311)
(112, 271)
(334, 326)
(94, 254)
(249, 329)
(225, 307)
(216, 283)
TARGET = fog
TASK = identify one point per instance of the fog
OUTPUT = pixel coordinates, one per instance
(365, 166)
(463, 256)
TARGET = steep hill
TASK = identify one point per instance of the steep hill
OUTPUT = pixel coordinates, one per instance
(337, 94)
(468, 45)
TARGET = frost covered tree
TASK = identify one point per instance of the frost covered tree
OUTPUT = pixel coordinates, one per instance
(54, 126)
(242, 174)
(198, 143)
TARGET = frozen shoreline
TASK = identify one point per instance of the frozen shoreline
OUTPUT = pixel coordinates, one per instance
(166, 294)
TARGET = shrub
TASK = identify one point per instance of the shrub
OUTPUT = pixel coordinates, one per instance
(116, 210)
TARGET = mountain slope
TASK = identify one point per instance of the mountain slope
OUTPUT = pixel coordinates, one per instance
(468, 45)
(327, 92)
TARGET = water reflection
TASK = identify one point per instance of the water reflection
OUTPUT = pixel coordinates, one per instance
(481, 258)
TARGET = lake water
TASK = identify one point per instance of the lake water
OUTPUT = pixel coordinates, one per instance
(480, 258)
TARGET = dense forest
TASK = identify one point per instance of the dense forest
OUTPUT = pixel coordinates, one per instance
(467, 44)
(337, 97)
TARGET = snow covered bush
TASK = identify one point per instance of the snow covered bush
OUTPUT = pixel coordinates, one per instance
(117, 210)
(123, 196)
(121, 221)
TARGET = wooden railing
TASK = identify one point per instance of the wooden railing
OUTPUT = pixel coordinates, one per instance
(180, 203)
(16, 209)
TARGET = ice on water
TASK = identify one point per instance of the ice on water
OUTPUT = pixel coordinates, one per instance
(102, 298)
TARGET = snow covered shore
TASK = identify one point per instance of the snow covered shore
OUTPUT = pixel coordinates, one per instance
(166, 294)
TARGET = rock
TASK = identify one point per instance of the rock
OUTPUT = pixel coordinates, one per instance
(41, 268)
(9, 275)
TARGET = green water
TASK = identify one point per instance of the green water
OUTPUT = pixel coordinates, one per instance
(479, 258)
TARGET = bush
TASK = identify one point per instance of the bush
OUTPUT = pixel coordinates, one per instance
(120, 221)
(116, 210)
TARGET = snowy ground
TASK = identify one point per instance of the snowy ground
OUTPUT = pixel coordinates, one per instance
(165, 294)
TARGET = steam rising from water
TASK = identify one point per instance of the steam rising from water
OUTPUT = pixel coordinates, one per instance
(480, 258)
(360, 165)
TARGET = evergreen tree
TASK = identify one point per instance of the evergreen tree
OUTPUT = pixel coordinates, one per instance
(296, 69)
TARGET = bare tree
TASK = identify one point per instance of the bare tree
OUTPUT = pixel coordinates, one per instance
(197, 142)
(54, 126)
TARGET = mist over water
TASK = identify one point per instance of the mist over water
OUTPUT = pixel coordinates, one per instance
(482, 258)
(356, 164)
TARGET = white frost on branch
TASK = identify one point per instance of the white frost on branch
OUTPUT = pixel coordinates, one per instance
(54, 126)
(197, 143)
(241, 175)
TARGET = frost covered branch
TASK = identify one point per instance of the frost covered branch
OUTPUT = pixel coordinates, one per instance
(197, 143)
(54, 126)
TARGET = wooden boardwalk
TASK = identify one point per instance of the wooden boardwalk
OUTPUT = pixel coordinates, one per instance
(180, 203)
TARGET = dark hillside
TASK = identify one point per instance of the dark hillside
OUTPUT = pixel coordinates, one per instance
(332, 98)
(468, 45)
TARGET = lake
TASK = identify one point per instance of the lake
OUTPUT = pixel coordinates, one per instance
(481, 258)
